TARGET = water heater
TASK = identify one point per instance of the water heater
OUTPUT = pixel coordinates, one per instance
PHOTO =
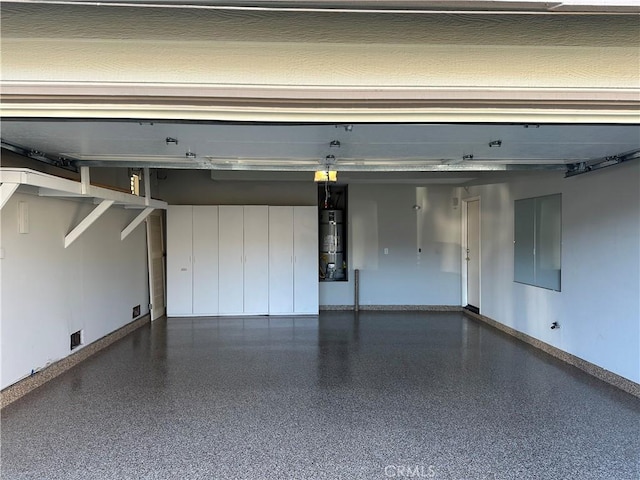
(332, 264)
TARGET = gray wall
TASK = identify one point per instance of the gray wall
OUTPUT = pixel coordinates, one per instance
(196, 187)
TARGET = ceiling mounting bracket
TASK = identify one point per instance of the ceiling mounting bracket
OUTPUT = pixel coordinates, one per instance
(62, 162)
(578, 168)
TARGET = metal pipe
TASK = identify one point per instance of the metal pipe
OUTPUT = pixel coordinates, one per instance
(356, 290)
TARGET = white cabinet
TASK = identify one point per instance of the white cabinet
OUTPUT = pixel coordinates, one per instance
(192, 260)
(205, 260)
(231, 259)
(179, 252)
(305, 260)
(293, 260)
(256, 260)
(242, 260)
(280, 260)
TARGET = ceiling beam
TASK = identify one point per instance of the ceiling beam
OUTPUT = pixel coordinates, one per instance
(364, 166)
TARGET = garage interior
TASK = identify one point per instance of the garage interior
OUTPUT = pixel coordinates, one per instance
(185, 292)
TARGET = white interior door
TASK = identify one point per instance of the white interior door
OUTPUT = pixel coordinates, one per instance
(305, 260)
(205, 260)
(256, 260)
(473, 254)
(280, 260)
(155, 251)
(179, 253)
(231, 259)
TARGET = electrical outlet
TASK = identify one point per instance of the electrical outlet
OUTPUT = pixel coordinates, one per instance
(136, 311)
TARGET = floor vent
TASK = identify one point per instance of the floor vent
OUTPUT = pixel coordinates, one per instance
(473, 309)
(76, 339)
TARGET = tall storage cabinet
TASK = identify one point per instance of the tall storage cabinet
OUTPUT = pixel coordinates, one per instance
(231, 259)
(179, 254)
(205, 260)
(305, 260)
(242, 260)
(256, 260)
(293, 260)
(280, 260)
(192, 260)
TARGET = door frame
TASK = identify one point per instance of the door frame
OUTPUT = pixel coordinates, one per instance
(463, 252)
(155, 313)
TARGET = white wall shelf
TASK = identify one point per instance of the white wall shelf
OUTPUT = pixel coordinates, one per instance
(47, 185)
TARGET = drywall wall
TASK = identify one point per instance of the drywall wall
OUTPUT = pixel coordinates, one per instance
(49, 292)
(196, 187)
(597, 307)
(406, 255)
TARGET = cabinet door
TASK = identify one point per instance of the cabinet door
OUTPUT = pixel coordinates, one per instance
(280, 260)
(305, 260)
(205, 260)
(231, 259)
(256, 260)
(179, 254)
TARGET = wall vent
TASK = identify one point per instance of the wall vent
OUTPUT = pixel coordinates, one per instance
(76, 339)
(136, 311)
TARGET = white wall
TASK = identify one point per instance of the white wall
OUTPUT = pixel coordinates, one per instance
(382, 216)
(598, 307)
(49, 292)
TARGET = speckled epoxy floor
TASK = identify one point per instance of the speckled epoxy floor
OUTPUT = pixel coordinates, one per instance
(379, 396)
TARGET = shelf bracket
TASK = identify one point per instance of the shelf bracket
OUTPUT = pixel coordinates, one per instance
(85, 180)
(135, 222)
(6, 190)
(96, 213)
